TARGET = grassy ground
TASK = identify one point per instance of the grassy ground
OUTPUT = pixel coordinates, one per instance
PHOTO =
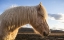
(28, 34)
(28, 37)
(37, 37)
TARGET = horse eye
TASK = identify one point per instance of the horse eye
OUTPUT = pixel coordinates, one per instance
(40, 14)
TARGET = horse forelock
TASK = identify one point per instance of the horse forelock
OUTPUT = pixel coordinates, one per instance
(44, 12)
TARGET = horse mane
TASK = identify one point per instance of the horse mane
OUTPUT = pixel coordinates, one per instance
(28, 13)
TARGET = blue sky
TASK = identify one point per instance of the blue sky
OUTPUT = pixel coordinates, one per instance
(55, 9)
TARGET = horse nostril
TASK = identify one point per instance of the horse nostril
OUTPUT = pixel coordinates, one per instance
(45, 34)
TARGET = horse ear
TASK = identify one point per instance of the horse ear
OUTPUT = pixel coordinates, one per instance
(40, 5)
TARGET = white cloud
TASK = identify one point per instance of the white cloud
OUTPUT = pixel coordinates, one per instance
(52, 18)
(27, 26)
(12, 6)
(58, 26)
(58, 17)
